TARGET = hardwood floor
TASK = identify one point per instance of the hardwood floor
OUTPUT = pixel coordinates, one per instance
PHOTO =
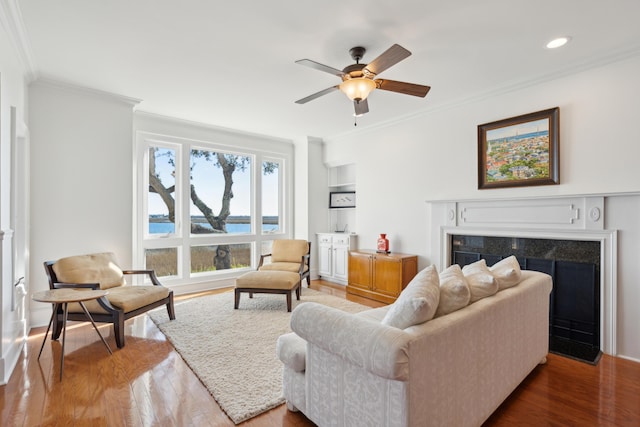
(147, 383)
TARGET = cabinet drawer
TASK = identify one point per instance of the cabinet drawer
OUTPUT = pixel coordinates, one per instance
(341, 240)
(324, 239)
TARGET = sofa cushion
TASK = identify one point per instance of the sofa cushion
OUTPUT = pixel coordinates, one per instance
(454, 291)
(99, 268)
(481, 282)
(417, 303)
(507, 272)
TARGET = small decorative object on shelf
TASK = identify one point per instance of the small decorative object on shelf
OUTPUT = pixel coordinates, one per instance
(383, 244)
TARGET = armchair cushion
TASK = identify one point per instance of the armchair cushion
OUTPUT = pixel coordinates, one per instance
(99, 268)
(293, 267)
(126, 298)
(291, 250)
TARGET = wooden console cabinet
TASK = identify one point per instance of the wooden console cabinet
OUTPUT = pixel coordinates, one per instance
(380, 277)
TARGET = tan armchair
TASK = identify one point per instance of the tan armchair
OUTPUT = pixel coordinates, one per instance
(122, 302)
(291, 255)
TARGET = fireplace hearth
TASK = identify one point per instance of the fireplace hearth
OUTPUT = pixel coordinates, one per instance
(574, 265)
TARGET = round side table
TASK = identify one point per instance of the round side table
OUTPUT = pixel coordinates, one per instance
(64, 296)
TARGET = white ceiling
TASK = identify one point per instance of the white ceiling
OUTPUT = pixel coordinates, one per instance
(231, 63)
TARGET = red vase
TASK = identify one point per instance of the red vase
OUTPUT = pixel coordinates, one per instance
(383, 243)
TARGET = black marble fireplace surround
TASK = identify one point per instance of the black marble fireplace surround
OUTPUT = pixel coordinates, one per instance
(574, 265)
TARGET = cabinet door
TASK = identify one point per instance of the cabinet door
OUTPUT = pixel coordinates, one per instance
(324, 259)
(360, 270)
(340, 261)
(387, 276)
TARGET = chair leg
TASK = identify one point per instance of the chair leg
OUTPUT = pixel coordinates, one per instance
(298, 290)
(237, 299)
(170, 310)
(289, 301)
(57, 325)
(118, 329)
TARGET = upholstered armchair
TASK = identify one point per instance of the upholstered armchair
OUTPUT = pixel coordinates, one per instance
(289, 255)
(122, 302)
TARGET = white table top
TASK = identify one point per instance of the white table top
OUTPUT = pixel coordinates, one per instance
(60, 296)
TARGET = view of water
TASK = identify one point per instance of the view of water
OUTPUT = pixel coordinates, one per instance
(168, 227)
(520, 137)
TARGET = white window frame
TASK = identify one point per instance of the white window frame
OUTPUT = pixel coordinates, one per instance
(183, 239)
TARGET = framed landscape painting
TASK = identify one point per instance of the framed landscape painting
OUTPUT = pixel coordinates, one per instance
(520, 151)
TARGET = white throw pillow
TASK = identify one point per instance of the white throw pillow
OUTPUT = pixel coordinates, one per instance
(454, 291)
(507, 272)
(417, 303)
(481, 282)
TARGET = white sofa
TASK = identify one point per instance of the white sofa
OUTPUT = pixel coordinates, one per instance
(342, 369)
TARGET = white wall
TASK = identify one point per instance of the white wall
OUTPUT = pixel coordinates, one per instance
(81, 178)
(432, 156)
(12, 97)
(623, 214)
(316, 201)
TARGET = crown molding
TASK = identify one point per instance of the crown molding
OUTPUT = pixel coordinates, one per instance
(11, 20)
(208, 126)
(66, 85)
(507, 87)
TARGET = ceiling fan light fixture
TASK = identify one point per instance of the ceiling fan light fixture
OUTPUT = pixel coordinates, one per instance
(357, 89)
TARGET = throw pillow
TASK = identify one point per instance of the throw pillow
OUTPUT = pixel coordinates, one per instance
(454, 291)
(482, 284)
(507, 272)
(417, 303)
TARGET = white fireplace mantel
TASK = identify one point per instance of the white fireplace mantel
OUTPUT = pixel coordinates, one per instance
(563, 218)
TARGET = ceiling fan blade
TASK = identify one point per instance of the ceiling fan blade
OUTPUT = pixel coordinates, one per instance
(402, 87)
(388, 58)
(317, 95)
(320, 67)
(361, 107)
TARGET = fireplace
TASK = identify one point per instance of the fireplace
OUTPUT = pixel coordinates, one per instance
(574, 307)
(563, 236)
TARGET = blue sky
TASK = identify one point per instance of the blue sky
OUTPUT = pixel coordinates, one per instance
(206, 173)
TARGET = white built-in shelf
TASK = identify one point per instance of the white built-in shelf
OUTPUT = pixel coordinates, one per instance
(342, 184)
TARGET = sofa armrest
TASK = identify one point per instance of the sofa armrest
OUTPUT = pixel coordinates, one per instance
(379, 349)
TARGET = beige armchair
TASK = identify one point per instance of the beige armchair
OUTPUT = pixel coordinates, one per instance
(289, 255)
(122, 302)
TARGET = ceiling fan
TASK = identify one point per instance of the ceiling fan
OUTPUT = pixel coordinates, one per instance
(359, 80)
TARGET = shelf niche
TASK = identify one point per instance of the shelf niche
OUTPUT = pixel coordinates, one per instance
(342, 178)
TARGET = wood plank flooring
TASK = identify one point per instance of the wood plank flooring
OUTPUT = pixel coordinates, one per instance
(148, 384)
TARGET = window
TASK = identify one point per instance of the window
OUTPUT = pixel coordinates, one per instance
(270, 196)
(220, 192)
(205, 210)
(160, 201)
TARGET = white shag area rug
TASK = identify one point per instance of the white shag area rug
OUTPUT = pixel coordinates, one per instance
(233, 352)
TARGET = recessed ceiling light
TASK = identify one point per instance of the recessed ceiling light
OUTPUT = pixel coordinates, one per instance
(558, 42)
